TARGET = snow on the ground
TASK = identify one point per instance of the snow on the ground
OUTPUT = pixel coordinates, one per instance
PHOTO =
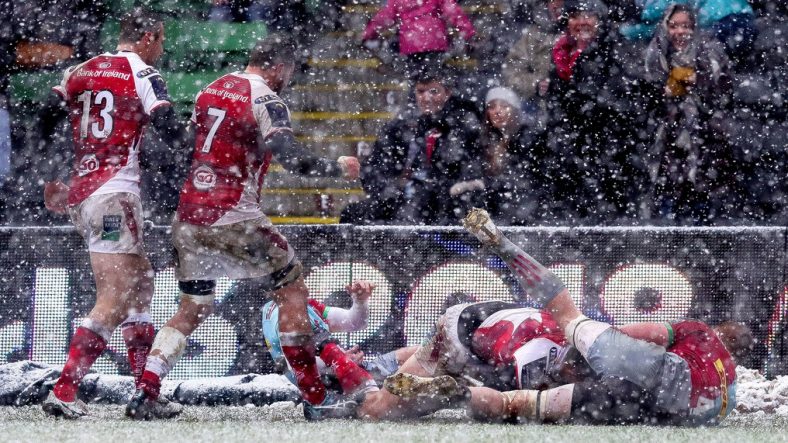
(760, 401)
(756, 393)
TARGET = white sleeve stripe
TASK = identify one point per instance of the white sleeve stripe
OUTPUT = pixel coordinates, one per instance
(159, 104)
(275, 130)
(60, 90)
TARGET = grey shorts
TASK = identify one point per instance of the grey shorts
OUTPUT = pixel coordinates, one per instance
(663, 374)
(247, 249)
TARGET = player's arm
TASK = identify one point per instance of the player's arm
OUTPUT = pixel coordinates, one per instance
(277, 137)
(156, 101)
(178, 140)
(658, 333)
(174, 153)
(355, 318)
(50, 115)
(173, 132)
(299, 160)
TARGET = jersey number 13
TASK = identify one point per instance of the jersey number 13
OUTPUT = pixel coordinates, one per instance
(106, 103)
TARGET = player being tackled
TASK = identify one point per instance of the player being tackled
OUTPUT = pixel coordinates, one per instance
(673, 373)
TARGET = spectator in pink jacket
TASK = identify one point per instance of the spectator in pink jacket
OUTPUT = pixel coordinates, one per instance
(422, 28)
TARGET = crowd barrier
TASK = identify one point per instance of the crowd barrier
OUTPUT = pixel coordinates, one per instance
(620, 275)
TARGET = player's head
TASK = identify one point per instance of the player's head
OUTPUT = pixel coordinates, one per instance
(433, 89)
(737, 338)
(275, 57)
(142, 32)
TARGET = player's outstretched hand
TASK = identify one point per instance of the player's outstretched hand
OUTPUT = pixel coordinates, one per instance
(360, 290)
(351, 168)
(355, 354)
(462, 187)
(56, 196)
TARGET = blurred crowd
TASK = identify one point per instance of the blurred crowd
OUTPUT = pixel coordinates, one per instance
(666, 112)
(622, 112)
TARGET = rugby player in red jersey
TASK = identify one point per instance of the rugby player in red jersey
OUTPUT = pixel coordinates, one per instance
(220, 229)
(678, 373)
(495, 344)
(110, 100)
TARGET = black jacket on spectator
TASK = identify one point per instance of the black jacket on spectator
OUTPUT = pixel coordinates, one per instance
(591, 136)
(384, 174)
(455, 156)
(695, 170)
(516, 177)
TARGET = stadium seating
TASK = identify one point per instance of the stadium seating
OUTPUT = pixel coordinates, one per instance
(339, 102)
(198, 45)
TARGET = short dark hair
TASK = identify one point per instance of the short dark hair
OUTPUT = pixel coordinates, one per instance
(587, 6)
(440, 74)
(737, 338)
(273, 49)
(135, 23)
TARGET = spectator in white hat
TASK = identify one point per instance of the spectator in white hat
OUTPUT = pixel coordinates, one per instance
(512, 181)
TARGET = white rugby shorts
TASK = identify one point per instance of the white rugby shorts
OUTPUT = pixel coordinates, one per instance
(246, 249)
(110, 223)
(443, 352)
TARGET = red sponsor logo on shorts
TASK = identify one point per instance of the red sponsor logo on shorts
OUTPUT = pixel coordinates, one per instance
(204, 178)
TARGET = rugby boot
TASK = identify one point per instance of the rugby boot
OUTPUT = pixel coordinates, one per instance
(143, 407)
(478, 223)
(59, 408)
(444, 387)
(38, 390)
(334, 406)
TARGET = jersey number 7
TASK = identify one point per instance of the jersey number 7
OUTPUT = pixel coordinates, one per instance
(219, 114)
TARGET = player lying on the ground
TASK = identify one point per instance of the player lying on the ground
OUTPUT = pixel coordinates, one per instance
(494, 344)
(680, 373)
(533, 377)
(353, 375)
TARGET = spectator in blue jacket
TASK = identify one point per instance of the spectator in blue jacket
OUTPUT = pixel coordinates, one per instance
(731, 21)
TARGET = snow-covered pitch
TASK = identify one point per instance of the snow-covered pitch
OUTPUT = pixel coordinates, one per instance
(762, 415)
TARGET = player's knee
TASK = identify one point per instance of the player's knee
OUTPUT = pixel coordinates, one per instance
(198, 292)
(583, 333)
(287, 275)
